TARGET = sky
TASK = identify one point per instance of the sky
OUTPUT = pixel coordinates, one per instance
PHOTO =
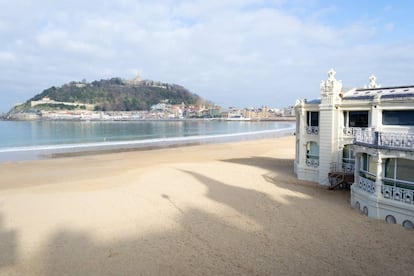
(241, 53)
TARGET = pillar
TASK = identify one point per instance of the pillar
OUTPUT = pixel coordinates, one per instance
(378, 181)
(328, 126)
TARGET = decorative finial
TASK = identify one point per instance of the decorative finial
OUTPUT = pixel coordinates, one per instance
(372, 83)
(331, 85)
(331, 74)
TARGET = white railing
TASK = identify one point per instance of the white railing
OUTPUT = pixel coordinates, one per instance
(404, 195)
(365, 136)
(366, 185)
(312, 162)
(312, 130)
(386, 140)
(349, 131)
(396, 140)
(398, 194)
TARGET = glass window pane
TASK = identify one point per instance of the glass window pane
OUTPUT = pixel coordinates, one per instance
(372, 166)
(314, 118)
(345, 118)
(405, 170)
(312, 150)
(358, 118)
(364, 163)
(398, 117)
(389, 168)
(347, 152)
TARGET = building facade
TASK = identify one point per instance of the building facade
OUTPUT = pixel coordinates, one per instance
(364, 136)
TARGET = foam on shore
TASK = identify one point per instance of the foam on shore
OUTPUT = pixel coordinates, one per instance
(47, 151)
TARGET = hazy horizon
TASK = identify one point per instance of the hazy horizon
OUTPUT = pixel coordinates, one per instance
(233, 53)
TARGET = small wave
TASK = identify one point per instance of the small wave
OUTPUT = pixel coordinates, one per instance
(157, 142)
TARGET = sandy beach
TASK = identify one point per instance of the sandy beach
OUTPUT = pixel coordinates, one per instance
(215, 209)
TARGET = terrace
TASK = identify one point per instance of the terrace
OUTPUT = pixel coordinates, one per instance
(397, 190)
(384, 140)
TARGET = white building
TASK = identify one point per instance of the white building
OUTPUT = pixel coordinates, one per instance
(364, 137)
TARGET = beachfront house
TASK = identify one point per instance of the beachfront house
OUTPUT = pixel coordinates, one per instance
(363, 137)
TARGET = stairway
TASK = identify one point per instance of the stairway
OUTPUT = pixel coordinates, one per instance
(340, 180)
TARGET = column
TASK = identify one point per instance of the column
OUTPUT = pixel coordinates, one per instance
(328, 126)
(300, 135)
(378, 181)
(357, 167)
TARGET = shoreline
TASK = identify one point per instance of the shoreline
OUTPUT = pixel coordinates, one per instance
(53, 151)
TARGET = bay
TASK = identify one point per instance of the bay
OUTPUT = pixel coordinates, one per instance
(26, 140)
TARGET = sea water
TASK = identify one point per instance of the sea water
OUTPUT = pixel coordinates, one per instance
(26, 140)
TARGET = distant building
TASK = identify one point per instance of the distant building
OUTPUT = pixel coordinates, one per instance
(365, 136)
(288, 111)
(47, 100)
(135, 81)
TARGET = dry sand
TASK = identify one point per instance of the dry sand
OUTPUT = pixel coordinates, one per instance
(227, 209)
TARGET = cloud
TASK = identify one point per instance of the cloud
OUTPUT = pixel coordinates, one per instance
(389, 27)
(7, 57)
(240, 53)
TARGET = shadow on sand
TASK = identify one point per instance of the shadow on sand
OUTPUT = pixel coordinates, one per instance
(8, 245)
(280, 173)
(206, 243)
(270, 237)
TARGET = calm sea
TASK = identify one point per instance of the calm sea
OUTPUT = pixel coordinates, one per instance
(25, 140)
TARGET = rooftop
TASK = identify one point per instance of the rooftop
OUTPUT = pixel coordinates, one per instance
(381, 93)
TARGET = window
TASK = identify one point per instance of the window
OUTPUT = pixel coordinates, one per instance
(348, 159)
(312, 154)
(399, 172)
(405, 169)
(357, 118)
(312, 118)
(368, 164)
(368, 167)
(390, 168)
(313, 149)
(398, 117)
(348, 153)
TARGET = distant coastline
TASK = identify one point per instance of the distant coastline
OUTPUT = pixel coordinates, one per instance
(121, 116)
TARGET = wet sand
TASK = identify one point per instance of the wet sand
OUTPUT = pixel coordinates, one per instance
(231, 209)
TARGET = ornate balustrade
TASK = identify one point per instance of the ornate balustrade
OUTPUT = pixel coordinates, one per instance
(366, 185)
(365, 136)
(312, 130)
(398, 194)
(386, 140)
(404, 195)
(349, 131)
(396, 140)
(312, 162)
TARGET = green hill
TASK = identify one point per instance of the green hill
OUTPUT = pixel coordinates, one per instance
(112, 95)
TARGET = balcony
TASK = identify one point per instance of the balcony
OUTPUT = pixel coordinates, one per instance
(349, 131)
(399, 194)
(312, 130)
(312, 161)
(385, 140)
(366, 184)
(399, 190)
